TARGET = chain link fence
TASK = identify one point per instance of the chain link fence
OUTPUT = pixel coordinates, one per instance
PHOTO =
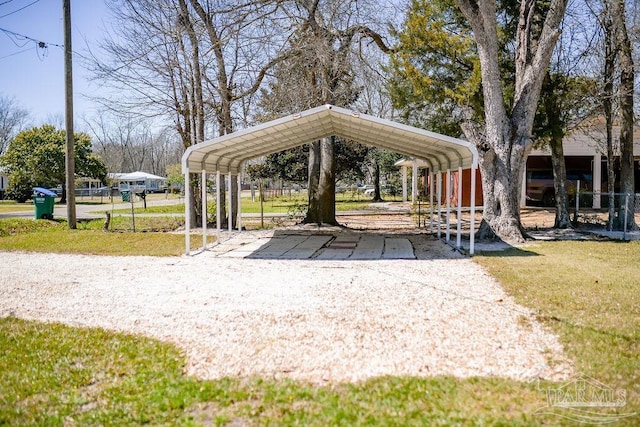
(625, 202)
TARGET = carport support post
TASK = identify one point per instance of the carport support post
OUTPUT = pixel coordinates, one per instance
(218, 206)
(459, 225)
(203, 185)
(187, 211)
(239, 201)
(448, 196)
(439, 190)
(230, 209)
(430, 201)
(472, 232)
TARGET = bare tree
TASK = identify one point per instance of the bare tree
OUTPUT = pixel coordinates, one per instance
(188, 60)
(504, 139)
(329, 34)
(128, 144)
(13, 118)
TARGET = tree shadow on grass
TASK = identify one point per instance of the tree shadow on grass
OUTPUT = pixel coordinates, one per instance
(505, 253)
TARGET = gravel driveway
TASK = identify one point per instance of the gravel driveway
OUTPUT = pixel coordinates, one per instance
(320, 321)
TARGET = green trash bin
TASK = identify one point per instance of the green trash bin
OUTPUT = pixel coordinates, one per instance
(43, 201)
(126, 195)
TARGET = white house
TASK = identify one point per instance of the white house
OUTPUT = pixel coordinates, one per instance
(585, 156)
(138, 181)
(4, 182)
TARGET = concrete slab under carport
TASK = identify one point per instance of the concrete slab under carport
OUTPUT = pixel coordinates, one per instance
(326, 246)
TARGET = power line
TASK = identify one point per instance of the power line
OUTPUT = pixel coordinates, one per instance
(16, 38)
(39, 43)
(18, 10)
(16, 53)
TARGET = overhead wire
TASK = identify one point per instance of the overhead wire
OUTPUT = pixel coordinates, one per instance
(18, 10)
(20, 40)
(38, 42)
(16, 53)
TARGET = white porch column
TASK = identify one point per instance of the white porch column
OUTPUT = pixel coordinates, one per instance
(218, 206)
(414, 183)
(404, 183)
(448, 196)
(239, 201)
(430, 201)
(230, 198)
(472, 229)
(187, 212)
(597, 180)
(203, 185)
(459, 224)
(439, 195)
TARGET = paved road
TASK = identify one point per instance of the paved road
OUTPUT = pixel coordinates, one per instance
(96, 211)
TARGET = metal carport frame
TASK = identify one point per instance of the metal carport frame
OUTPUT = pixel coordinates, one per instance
(227, 154)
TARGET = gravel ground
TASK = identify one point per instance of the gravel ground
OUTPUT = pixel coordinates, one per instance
(318, 321)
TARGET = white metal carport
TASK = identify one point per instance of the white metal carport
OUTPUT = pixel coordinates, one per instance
(227, 154)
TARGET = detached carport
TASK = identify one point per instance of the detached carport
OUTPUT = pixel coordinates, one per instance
(227, 154)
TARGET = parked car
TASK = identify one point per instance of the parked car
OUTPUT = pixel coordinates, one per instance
(540, 187)
(57, 189)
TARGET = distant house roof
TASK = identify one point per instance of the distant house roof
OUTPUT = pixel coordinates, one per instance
(589, 139)
(136, 176)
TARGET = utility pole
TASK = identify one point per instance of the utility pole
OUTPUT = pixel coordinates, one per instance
(68, 110)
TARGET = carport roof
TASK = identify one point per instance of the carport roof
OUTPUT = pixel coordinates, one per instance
(228, 152)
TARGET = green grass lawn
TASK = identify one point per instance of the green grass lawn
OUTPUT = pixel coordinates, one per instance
(57, 375)
(587, 292)
(283, 204)
(153, 237)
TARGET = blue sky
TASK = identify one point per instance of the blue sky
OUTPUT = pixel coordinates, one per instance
(35, 76)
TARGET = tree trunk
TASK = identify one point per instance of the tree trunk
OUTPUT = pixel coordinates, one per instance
(327, 184)
(506, 139)
(563, 219)
(556, 129)
(607, 107)
(313, 211)
(377, 196)
(234, 201)
(223, 202)
(501, 186)
(625, 61)
(195, 194)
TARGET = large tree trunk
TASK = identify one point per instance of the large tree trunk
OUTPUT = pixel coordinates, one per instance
(327, 184)
(506, 139)
(625, 61)
(313, 211)
(322, 183)
(501, 186)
